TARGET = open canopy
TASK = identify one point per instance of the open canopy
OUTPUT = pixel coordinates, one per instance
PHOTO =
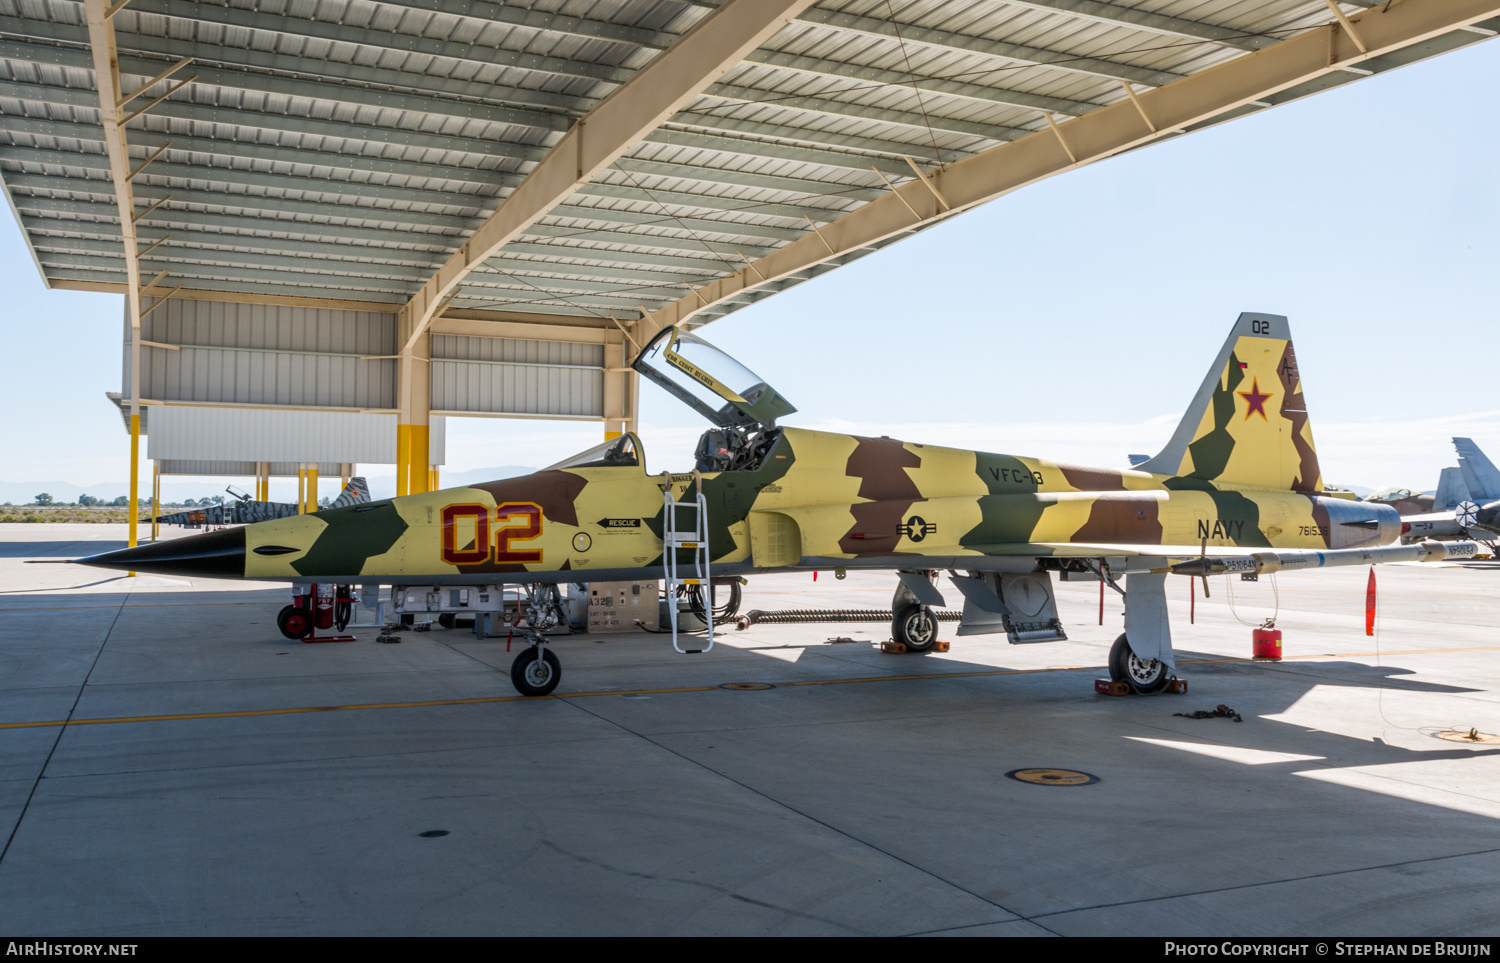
(710, 382)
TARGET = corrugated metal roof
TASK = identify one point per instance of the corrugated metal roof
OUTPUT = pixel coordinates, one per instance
(345, 148)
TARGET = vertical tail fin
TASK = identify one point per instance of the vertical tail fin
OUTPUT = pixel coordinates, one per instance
(1451, 490)
(1248, 423)
(354, 493)
(1479, 472)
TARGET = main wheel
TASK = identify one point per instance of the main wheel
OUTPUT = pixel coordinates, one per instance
(447, 619)
(915, 626)
(532, 676)
(294, 623)
(1144, 675)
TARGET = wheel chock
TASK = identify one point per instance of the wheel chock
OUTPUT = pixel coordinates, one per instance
(1176, 686)
(893, 647)
(940, 646)
(1109, 688)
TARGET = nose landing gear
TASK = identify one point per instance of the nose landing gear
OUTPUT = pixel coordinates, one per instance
(536, 671)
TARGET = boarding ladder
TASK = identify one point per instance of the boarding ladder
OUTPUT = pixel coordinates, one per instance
(675, 537)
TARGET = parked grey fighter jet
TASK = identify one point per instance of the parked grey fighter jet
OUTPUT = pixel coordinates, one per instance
(245, 510)
(1467, 503)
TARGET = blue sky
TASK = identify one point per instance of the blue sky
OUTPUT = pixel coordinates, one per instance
(1070, 320)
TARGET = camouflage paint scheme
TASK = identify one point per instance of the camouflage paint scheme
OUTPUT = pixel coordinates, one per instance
(1240, 474)
(248, 511)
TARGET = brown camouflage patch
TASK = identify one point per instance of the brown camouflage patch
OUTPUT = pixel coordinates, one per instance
(1294, 410)
(1321, 520)
(879, 464)
(1092, 479)
(1122, 521)
(556, 491)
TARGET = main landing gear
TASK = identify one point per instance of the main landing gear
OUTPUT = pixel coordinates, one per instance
(916, 626)
(1144, 676)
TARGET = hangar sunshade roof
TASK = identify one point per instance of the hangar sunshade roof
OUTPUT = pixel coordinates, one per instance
(374, 152)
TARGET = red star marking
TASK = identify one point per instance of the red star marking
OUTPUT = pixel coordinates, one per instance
(1255, 402)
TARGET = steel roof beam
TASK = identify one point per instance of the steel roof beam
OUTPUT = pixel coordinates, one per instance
(247, 202)
(166, 218)
(1117, 16)
(741, 95)
(190, 245)
(41, 93)
(706, 272)
(484, 149)
(895, 78)
(657, 92)
(1154, 115)
(907, 33)
(368, 95)
(663, 241)
(166, 169)
(189, 270)
(704, 262)
(300, 157)
(260, 290)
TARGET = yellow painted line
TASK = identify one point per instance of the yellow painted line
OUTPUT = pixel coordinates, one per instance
(667, 691)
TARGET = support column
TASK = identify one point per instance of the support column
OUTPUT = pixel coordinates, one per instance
(262, 481)
(346, 472)
(155, 499)
(621, 385)
(135, 446)
(312, 487)
(413, 456)
(302, 488)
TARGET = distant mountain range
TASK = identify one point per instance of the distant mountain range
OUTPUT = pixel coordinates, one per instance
(175, 490)
(381, 486)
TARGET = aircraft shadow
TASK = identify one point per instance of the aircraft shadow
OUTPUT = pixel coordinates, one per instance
(59, 549)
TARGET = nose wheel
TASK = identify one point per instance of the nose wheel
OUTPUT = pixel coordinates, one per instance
(536, 671)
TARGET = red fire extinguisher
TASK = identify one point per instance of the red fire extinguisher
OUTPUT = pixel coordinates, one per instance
(1266, 641)
(323, 607)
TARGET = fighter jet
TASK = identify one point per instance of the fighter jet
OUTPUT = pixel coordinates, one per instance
(245, 510)
(1467, 504)
(1237, 489)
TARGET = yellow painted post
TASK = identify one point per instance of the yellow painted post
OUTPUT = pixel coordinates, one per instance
(155, 501)
(135, 472)
(432, 478)
(301, 489)
(417, 455)
(312, 487)
(403, 459)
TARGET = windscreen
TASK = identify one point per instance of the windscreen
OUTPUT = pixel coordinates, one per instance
(622, 452)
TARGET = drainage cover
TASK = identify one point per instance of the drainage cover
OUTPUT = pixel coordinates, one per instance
(1467, 735)
(747, 685)
(433, 833)
(1053, 777)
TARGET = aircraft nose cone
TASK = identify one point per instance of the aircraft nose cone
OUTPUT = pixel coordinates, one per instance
(210, 555)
